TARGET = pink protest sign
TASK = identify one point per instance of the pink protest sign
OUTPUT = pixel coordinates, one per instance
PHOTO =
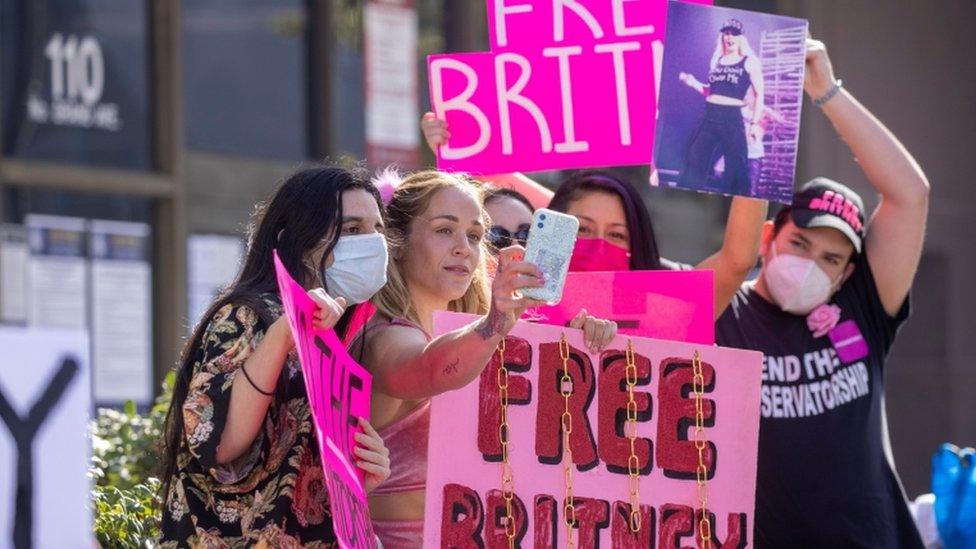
(674, 305)
(565, 86)
(514, 24)
(338, 392)
(465, 506)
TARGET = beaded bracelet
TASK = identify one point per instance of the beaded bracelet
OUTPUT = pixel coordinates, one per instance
(821, 101)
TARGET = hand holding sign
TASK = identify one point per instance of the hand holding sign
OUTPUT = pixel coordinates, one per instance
(435, 131)
(597, 333)
(819, 76)
(338, 391)
(374, 456)
(329, 309)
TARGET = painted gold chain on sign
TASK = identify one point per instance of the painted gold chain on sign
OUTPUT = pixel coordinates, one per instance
(701, 473)
(508, 490)
(633, 462)
(566, 388)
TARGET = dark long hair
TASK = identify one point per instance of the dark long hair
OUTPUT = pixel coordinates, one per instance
(492, 193)
(644, 254)
(304, 210)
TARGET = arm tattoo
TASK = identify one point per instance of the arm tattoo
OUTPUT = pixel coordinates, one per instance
(452, 368)
(491, 325)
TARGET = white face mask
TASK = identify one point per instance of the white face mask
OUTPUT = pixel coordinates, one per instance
(358, 267)
(797, 284)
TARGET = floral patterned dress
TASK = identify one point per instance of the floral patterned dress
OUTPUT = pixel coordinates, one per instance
(274, 494)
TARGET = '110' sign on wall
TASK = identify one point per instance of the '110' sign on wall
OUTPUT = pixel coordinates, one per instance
(77, 80)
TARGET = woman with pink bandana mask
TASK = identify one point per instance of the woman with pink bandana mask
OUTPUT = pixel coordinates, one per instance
(616, 233)
(825, 311)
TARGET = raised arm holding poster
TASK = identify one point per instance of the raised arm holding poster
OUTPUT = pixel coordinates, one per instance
(688, 416)
(530, 103)
(338, 393)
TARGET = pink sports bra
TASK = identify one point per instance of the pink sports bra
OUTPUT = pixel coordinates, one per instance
(406, 439)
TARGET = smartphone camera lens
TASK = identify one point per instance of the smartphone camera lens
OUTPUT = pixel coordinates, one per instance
(542, 217)
(540, 225)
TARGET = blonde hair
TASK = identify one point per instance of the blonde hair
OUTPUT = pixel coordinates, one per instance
(745, 50)
(410, 199)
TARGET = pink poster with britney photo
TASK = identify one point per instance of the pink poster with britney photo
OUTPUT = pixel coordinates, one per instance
(729, 109)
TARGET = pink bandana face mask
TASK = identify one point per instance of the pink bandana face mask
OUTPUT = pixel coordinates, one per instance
(596, 254)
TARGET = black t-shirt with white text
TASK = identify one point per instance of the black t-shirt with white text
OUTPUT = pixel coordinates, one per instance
(825, 476)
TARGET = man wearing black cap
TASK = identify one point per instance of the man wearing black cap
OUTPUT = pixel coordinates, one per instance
(825, 309)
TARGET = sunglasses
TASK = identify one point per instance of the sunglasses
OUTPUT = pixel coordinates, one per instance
(499, 237)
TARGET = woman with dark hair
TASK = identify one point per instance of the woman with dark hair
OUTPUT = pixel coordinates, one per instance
(616, 233)
(241, 465)
(510, 213)
(608, 241)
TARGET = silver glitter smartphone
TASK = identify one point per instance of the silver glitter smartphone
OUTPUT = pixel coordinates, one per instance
(552, 238)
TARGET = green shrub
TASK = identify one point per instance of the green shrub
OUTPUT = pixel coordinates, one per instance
(125, 458)
(127, 518)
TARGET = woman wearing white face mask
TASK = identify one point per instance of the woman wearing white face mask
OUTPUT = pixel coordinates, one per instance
(825, 311)
(241, 465)
(358, 267)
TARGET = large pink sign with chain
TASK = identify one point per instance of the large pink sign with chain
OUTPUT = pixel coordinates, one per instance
(663, 385)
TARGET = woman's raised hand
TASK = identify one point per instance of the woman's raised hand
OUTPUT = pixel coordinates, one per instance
(435, 131)
(372, 456)
(819, 76)
(329, 309)
(507, 302)
(597, 332)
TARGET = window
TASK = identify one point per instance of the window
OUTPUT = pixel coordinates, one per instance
(76, 82)
(245, 77)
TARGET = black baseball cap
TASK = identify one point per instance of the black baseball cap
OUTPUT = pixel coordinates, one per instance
(823, 202)
(732, 26)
